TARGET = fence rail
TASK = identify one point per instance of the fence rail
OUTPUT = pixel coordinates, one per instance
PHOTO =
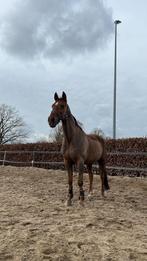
(128, 153)
(58, 152)
(29, 152)
(34, 162)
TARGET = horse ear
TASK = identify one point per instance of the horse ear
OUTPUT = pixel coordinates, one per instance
(56, 98)
(64, 96)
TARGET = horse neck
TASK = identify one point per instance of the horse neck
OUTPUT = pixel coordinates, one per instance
(68, 128)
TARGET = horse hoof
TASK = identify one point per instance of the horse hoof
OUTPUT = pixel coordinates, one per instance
(68, 203)
(81, 203)
(90, 196)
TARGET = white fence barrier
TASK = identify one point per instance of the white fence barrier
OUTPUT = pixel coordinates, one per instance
(33, 162)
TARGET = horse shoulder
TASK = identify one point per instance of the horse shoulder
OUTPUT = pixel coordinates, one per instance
(64, 147)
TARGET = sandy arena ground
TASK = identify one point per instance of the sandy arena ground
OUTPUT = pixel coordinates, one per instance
(35, 225)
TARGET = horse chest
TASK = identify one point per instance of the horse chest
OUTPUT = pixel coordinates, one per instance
(70, 154)
(76, 150)
(73, 154)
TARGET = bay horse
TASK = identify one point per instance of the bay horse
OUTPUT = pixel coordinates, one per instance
(78, 148)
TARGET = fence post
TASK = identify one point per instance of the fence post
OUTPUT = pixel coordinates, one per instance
(33, 159)
(4, 158)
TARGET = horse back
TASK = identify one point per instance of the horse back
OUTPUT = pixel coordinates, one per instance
(95, 148)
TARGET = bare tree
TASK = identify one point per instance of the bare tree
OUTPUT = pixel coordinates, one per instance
(98, 132)
(12, 127)
(57, 134)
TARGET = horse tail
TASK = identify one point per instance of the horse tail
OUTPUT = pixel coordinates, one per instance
(102, 163)
(106, 184)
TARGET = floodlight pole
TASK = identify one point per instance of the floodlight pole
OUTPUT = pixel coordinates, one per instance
(116, 22)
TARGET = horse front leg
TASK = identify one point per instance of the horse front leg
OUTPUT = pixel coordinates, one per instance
(69, 168)
(80, 180)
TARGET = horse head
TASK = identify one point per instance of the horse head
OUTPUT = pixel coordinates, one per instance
(59, 110)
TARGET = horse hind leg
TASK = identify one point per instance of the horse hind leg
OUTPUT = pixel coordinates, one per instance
(80, 165)
(89, 168)
(103, 175)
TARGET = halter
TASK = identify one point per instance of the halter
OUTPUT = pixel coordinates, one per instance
(66, 115)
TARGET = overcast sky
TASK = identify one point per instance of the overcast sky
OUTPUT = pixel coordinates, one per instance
(52, 45)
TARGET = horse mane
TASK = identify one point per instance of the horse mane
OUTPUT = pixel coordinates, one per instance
(76, 123)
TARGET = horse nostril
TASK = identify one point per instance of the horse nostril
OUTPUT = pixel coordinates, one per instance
(51, 121)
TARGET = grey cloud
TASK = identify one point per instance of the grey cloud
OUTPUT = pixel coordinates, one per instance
(53, 28)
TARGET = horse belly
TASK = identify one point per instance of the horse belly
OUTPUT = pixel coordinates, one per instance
(95, 152)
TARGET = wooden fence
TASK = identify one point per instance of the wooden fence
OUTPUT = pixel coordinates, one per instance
(40, 159)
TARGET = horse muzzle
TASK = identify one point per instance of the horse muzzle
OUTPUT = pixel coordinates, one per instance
(53, 121)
